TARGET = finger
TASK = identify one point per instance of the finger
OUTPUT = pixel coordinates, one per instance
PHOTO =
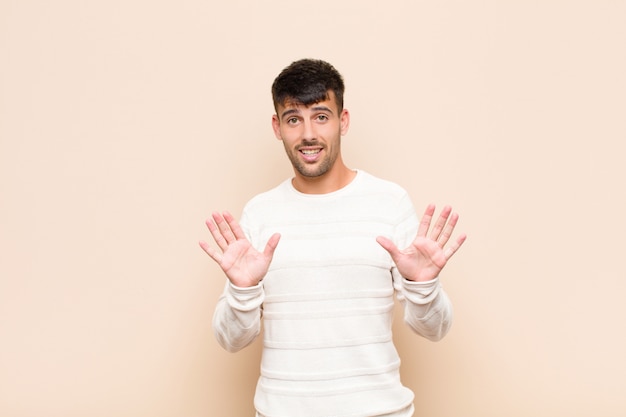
(448, 229)
(440, 224)
(217, 235)
(224, 228)
(270, 247)
(388, 245)
(234, 226)
(451, 250)
(426, 219)
(215, 255)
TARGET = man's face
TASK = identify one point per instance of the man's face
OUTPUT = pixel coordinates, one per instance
(311, 135)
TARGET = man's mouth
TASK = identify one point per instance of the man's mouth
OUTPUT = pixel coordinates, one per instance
(310, 154)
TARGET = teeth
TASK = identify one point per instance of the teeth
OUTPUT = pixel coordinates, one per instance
(310, 151)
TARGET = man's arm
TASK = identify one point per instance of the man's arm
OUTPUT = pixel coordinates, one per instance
(427, 309)
(237, 317)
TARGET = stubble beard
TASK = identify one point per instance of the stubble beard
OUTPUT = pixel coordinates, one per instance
(311, 170)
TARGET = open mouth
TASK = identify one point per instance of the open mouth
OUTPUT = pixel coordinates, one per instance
(310, 154)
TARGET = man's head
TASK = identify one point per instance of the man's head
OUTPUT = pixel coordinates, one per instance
(307, 82)
(310, 121)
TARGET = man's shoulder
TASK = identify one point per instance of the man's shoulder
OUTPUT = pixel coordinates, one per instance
(271, 196)
(377, 184)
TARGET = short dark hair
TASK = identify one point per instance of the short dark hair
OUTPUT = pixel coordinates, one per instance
(307, 82)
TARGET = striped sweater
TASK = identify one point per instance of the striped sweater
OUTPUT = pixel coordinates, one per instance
(327, 300)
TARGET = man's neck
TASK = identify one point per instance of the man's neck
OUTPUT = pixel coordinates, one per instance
(332, 181)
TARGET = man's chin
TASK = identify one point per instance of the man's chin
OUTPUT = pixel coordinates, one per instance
(312, 172)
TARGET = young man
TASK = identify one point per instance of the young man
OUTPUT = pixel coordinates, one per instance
(348, 243)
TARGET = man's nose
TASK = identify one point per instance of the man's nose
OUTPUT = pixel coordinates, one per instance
(309, 130)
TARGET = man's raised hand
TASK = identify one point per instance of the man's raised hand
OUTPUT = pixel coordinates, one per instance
(243, 265)
(426, 256)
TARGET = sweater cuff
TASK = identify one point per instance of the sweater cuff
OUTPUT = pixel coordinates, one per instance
(421, 292)
(245, 298)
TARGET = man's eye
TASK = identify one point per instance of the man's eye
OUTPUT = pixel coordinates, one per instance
(292, 120)
(322, 117)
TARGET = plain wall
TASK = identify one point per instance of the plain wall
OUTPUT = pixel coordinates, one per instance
(124, 124)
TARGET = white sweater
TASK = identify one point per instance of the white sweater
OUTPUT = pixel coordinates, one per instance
(327, 301)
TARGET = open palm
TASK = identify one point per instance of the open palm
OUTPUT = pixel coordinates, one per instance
(241, 262)
(426, 256)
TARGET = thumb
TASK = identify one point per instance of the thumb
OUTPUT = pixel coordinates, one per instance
(388, 245)
(270, 247)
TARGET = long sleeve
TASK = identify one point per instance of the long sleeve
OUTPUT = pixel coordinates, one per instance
(427, 308)
(237, 317)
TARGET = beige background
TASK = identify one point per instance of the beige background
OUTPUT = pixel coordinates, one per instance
(124, 123)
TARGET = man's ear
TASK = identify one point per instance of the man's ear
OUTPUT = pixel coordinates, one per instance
(276, 127)
(344, 119)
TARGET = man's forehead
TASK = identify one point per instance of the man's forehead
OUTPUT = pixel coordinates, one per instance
(291, 103)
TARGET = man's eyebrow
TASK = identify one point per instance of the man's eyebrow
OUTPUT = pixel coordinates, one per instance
(289, 112)
(292, 111)
(322, 108)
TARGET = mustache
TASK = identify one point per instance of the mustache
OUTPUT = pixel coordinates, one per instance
(308, 143)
